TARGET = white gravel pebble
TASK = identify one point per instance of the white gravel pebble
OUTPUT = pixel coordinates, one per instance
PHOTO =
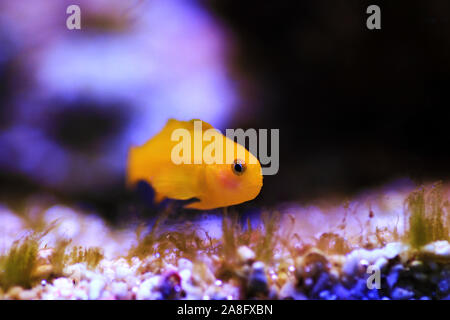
(245, 253)
(123, 272)
(79, 294)
(75, 271)
(146, 287)
(401, 294)
(185, 275)
(354, 258)
(62, 283)
(96, 288)
(64, 286)
(184, 263)
(393, 249)
(381, 263)
(440, 248)
(119, 290)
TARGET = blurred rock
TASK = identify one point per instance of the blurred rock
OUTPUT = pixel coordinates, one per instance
(245, 254)
(76, 104)
(257, 285)
(96, 288)
(401, 294)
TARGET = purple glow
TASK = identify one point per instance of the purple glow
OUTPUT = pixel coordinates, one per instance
(165, 58)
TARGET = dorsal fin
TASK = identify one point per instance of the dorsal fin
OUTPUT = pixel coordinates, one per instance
(189, 125)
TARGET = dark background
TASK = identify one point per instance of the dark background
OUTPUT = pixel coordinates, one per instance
(356, 108)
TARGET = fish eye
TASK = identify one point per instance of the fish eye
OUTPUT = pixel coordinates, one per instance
(238, 167)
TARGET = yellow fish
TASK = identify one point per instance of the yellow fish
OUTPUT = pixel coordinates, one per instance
(218, 184)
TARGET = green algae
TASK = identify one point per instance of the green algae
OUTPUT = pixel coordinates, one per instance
(91, 256)
(426, 210)
(18, 265)
(426, 218)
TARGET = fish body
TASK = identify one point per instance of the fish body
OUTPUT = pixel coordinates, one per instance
(235, 179)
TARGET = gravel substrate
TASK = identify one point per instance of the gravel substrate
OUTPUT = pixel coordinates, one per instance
(404, 275)
(192, 260)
